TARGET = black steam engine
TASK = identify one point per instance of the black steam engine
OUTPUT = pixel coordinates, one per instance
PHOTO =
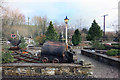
(55, 52)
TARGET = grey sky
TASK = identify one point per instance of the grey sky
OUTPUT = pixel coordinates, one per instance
(76, 10)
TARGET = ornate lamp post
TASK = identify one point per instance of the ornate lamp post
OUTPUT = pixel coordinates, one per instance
(66, 21)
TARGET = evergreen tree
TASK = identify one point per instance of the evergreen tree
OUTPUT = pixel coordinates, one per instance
(60, 37)
(76, 38)
(51, 34)
(22, 44)
(84, 30)
(94, 33)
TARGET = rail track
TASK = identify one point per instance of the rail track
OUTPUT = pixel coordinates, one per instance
(28, 57)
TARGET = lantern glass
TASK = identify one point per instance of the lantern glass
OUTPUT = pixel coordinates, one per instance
(66, 20)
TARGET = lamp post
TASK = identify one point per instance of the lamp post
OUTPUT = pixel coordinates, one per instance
(66, 22)
(104, 25)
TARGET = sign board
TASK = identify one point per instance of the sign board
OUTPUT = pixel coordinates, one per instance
(13, 36)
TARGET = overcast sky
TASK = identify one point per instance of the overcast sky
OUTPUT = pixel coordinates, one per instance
(76, 10)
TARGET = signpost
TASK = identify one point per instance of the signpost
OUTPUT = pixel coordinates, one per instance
(13, 36)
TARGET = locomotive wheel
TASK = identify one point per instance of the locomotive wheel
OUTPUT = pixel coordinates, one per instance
(55, 60)
(45, 60)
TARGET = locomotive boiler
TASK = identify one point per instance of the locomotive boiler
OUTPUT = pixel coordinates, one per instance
(55, 52)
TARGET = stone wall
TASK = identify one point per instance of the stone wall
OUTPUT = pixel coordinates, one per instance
(33, 69)
(101, 57)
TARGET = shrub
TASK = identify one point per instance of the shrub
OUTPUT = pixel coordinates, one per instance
(118, 53)
(107, 46)
(23, 44)
(97, 45)
(7, 57)
(6, 47)
(115, 45)
(40, 40)
(113, 52)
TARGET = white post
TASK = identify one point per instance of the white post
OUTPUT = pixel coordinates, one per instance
(18, 34)
(66, 37)
(66, 34)
(66, 21)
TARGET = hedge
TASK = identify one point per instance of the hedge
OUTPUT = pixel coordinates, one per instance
(113, 52)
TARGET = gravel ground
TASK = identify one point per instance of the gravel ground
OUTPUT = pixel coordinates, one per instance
(0, 72)
(100, 70)
(57, 77)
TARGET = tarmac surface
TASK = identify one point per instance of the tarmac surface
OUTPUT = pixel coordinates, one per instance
(100, 70)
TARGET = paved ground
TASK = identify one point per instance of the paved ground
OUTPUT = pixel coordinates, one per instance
(100, 70)
(0, 63)
(0, 73)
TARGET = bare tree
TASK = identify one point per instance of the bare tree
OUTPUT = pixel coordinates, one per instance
(11, 18)
(40, 24)
(1, 13)
(110, 36)
(2, 7)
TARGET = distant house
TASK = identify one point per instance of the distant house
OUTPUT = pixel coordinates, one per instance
(8, 42)
(29, 40)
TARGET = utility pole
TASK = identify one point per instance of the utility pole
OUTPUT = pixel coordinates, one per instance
(80, 24)
(104, 25)
(28, 21)
(116, 28)
(28, 26)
